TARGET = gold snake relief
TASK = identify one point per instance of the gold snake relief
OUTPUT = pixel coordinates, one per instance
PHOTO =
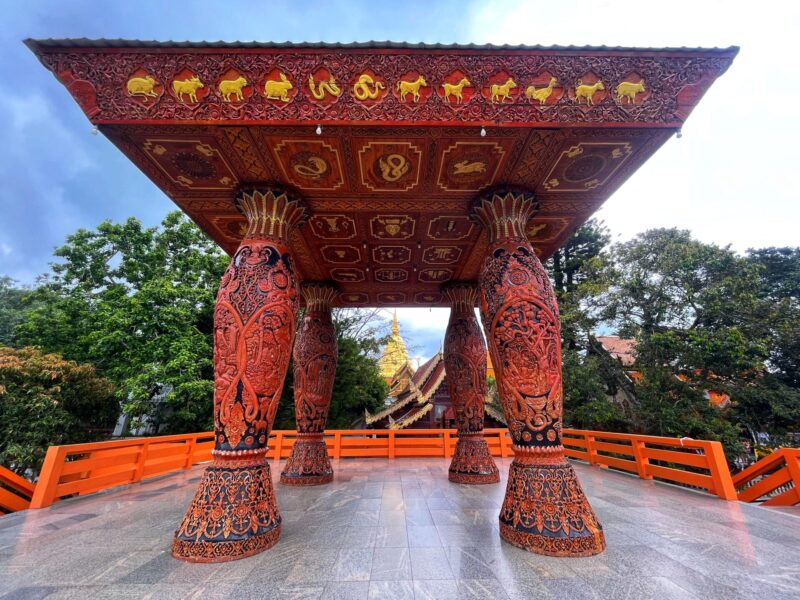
(314, 168)
(325, 87)
(362, 91)
(393, 166)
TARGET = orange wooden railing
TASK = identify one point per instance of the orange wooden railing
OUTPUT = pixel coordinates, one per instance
(685, 461)
(15, 491)
(86, 468)
(775, 479)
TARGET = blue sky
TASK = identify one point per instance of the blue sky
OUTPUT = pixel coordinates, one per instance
(730, 179)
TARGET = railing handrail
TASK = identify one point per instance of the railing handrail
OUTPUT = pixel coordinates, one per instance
(15, 491)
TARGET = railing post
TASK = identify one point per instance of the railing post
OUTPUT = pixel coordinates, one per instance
(793, 466)
(591, 450)
(337, 444)
(505, 444)
(391, 443)
(278, 445)
(137, 476)
(720, 473)
(190, 452)
(45, 492)
(642, 462)
(446, 442)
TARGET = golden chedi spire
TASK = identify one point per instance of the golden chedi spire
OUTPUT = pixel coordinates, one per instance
(394, 354)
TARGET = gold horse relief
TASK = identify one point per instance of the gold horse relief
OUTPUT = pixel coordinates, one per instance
(456, 89)
(411, 87)
(501, 93)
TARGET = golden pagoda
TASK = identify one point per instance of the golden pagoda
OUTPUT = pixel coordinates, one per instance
(394, 354)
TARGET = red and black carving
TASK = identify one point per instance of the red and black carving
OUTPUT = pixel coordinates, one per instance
(234, 513)
(315, 358)
(465, 363)
(545, 509)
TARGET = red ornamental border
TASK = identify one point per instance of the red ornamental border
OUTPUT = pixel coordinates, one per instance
(672, 85)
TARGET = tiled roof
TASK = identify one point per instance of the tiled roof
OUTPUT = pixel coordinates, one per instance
(623, 349)
(51, 43)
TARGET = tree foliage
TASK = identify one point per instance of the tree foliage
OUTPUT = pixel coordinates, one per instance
(46, 400)
(138, 304)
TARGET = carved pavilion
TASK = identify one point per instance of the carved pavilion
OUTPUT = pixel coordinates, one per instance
(384, 174)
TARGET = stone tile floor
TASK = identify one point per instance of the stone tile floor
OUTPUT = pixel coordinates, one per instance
(398, 529)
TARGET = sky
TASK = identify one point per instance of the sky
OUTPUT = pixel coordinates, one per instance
(729, 178)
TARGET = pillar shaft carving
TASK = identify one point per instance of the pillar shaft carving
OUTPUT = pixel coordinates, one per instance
(545, 509)
(234, 513)
(315, 359)
(465, 363)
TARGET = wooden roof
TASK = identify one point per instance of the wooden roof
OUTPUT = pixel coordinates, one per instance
(389, 172)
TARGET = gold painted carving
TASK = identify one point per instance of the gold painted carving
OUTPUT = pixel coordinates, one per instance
(232, 86)
(629, 90)
(393, 167)
(361, 88)
(188, 87)
(465, 167)
(278, 90)
(588, 91)
(542, 94)
(142, 86)
(455, 89)
(314, 169)
(325, 87)
(411, 87)
(501, 93)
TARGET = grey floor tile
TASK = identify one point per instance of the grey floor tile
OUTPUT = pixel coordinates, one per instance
(426, 536)
(429, 563)
(346, 590)
(391, 564)
(481, 589)
(430, 589)
(352, 564)
(391, 590)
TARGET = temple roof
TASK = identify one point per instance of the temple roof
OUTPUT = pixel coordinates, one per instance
(35, 44)
(388, 144)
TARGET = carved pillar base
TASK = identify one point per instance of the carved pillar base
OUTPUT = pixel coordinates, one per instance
(545, 510)
(309, 463)
(233, 514)
(472, 463)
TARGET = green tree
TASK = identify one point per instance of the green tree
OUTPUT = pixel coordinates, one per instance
(46, 400)
(12, 309)
(138, 304)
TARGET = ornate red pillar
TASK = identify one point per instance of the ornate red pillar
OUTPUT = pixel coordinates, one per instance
(234, 513)
(315, 358)
(545, 509)
(465, 364)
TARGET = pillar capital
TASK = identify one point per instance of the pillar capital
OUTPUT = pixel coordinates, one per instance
(271, 212)
(504, 212)
(319, 295)
(463, 296)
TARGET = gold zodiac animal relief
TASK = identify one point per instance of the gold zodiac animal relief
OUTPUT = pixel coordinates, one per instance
(542, 94)
(501, 93)
(588, 91)
(455, 89)
(465, 167)
(142, 86)
(314, 169)
(629, 90)
(411, 87)
(188, 87)
(232, 86)
(325, 87)
(362, 91)
(278, 90)
(393, 166)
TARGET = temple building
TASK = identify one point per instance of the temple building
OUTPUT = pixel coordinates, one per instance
(418, 399)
